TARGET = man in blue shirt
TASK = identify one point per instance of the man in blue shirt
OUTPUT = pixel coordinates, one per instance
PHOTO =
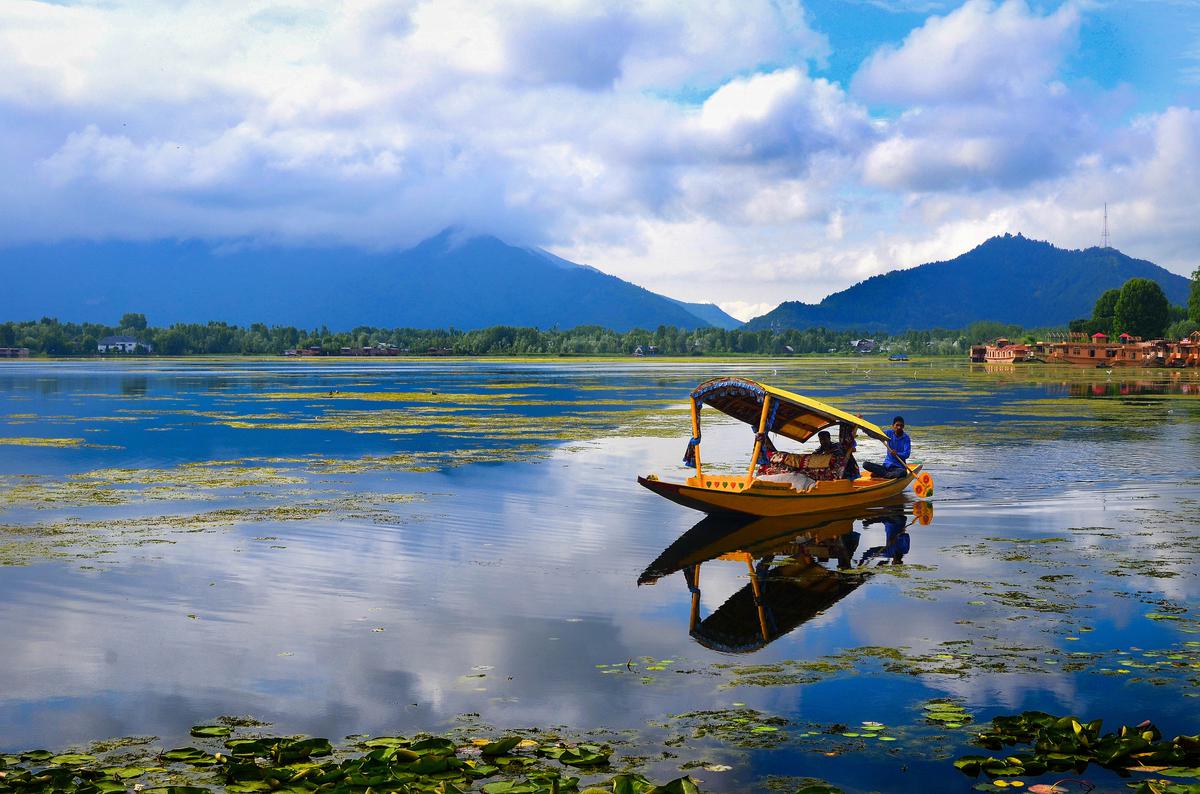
(899, 448)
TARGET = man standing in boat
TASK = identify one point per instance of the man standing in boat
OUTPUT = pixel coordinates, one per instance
(899, 446)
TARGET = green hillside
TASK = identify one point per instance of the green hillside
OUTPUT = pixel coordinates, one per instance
(1009, 279)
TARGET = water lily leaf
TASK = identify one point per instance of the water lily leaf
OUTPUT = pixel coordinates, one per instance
(188, 755)
(215, 731)
(288, 750)
(511, 787)
(682, 785)
(72, 759)
(124, 772)
(250, 747)
(385, 741)
(432, 744)
(501, 746)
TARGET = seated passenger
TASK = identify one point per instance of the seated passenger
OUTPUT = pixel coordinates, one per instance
(826, 445)
(849, 445)
(827, 462)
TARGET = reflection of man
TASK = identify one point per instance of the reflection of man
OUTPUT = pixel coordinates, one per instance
(899, 448)
(897, 541)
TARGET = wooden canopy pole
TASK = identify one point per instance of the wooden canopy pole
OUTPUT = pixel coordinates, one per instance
(762, 428)
(696, 434)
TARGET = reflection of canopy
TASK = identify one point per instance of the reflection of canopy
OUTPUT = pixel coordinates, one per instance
(792, 415)
(778, 598)
(716, 535)
(789, 595)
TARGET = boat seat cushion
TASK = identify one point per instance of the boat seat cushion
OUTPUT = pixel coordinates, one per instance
(798, 480)
(817, 467)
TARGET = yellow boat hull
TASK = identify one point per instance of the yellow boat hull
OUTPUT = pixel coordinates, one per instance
(748, 496)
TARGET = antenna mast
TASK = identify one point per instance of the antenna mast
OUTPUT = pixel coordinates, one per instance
(1105, 241)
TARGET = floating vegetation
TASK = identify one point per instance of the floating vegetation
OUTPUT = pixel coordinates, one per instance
(199, 475)
(228, 759)
(497, 424)
(946, 712)
(44, 442)
(1061, 744)
(77, 538)
(738, 726)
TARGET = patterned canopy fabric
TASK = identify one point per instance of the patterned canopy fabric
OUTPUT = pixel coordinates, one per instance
(791, 415)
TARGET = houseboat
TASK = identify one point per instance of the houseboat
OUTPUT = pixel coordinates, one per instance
(1097, 351)
(1005, 352)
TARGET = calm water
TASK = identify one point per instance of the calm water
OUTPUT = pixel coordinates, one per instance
(340, 547)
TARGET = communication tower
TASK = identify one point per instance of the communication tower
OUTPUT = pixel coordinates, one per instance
(1105, 241)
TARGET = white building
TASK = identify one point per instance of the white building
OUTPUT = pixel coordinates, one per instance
(862, 345)
(122, 344)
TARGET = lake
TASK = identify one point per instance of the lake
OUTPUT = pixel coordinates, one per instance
(341, 547)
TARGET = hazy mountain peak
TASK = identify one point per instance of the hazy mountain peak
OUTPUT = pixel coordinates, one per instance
(452, 279)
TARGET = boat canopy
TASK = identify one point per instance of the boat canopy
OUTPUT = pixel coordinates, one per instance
(791, 415)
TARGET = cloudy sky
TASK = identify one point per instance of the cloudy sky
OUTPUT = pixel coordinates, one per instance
(742, 153)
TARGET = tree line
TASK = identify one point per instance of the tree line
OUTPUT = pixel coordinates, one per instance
(50, 337)
(1139, 307)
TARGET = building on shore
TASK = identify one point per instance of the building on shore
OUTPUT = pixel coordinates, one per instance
(123, 344)
(1098, 351)
(862, 345)
(14, 352)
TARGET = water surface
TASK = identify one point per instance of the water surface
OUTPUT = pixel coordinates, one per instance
(366, 547)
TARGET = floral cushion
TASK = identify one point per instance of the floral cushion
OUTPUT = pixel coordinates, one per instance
(818, 467)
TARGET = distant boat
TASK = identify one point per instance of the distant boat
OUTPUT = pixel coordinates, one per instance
(897, 357)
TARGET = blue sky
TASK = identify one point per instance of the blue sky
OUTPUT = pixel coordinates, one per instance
(742, 153)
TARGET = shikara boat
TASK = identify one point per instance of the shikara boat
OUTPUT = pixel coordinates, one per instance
(771, 410)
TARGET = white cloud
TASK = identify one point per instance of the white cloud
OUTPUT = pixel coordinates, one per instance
(689, 149)
(746, 311)
(980, 52)
(983, 106)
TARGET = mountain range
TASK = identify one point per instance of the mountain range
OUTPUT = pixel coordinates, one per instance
(451, 280)
(1010, 279)
(455, 280)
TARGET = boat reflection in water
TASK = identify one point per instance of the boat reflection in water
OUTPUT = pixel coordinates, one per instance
(799, 566)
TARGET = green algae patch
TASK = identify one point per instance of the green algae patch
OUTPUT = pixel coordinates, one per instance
(202, 475)
(43, 493)
(85, 539)
(577, 422)
(431, 396)
(741, 727)
(60, 443)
